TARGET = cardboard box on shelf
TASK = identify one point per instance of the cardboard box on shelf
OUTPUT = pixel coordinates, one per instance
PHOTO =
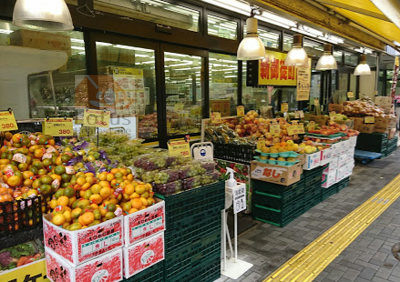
(84, 244)
(144, 223)
(385, 102)
(106, 268)
(282, 175)
(312, 161)
(333, 164)
(143, 254)
(358, 122)
(353, 141)
(367, 128)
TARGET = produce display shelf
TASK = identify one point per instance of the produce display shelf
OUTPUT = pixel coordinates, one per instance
(154, 273)
(234, 152)
(275, 189)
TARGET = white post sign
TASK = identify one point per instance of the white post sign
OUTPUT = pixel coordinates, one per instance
(239, 199)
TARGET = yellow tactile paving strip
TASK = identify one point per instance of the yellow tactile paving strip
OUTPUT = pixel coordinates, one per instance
(313, 259)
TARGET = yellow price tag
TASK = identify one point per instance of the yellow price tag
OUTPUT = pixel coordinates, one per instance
(350, 95)
(275, 129)
(369, 120)
(179, 149)
(96, 118)
(216, 117)
(300, 128)
(58, 127)
(293, 129)
(284, 107)
(7, 121)
(32, 272)
(240, 111)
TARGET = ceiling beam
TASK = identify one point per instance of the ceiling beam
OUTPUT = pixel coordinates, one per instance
(316, 16)
(354, 9)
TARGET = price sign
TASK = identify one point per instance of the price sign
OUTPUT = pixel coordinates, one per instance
(33, 272)
(179, 148)
(284, 107)
(350, 95)
(96, 118)
(58, 127)
(293, 129)
(369, 120)
(240, 111)
(239, 198)
(216, 117)
(275, 129)
(7, 121)
(300, 129)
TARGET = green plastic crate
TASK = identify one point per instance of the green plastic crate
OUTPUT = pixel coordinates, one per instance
(208, 269)
(375, 142)
(275, 189)
(312, 202)
(312, 191)
(327, 192)
(181, 258)
(275, 201)
(154, 273)
(274, 218)
(313, 176)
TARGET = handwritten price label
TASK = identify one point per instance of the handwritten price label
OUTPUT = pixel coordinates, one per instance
(96, 118)
(284, 107)
(369, 120)
(240, 111)
(179, 149)
(216, 117)
(58, 127)
(295, 129)
(275, 129)
(7, 121)
(300, 128)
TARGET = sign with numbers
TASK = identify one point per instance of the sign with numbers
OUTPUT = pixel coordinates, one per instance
(58, 127)
(96, 118)
(179, 148)
(7, 121)
(275, 129)
(239, 198)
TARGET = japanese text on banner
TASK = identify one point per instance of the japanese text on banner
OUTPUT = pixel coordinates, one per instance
(272, 70)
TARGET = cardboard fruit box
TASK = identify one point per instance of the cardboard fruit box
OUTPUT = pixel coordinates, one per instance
(281, 175)
(144, 223)
(84, 244)
(143, 254)
(312, 161)
(106, 268)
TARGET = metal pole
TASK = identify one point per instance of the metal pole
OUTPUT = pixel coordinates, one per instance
(235, 227)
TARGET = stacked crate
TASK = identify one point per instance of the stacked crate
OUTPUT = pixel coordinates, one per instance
(377, 142)
(193, 233)
(312, 184)
(327, 192)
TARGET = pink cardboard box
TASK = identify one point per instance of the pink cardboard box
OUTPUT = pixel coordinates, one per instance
(81, 245)
(106, 268)
(143, 254)
(144, 223)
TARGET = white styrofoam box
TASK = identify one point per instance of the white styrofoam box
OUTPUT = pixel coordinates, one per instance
(312, 161)
(106, 268)
(143, 254)
(329, 178)
(84, 244)
(336, 148)
(144, 223)
(353, 141)
(333, 164)
(344, 171)
(326, 156)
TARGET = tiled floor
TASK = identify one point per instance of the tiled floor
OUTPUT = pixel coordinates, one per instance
(368, 258)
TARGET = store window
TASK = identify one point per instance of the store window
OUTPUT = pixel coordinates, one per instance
(133, 71)
(350, 59)
(38, 71)
(253, 98)
(338, 56)
(156, 11)
(371, 60)
(223, 70)
(313, 49)
(183, 85)
(287, 42)
(268, 36)
(221, 27)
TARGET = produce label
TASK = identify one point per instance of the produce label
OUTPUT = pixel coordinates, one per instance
(58, 239)
(144, 223)
(216, 117)
(295, 129)
(179, 149)
(7, 121)
(58, 127)
(99, 239)
(369, 120)
(275, 129)
(144, 254)
(300, 128)
(96, 118)
(284, 107)
(240, 111)
(35, 271)
(350, 94)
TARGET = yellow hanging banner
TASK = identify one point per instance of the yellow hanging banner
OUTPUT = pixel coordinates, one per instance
(58, 127)
(179, 148)
(96, 118)
(273, 71)
(7, 121)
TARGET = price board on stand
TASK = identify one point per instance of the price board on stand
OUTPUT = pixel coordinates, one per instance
(180, 148)
(58, 127)
(7, 121)
(239, 198)
(96, 118)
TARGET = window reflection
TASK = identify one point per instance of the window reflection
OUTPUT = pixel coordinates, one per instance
(221, 27)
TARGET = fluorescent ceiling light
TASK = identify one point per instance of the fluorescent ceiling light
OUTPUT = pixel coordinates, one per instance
(182, 69)
(311, 30)
(77, 47)
(82, 53)
(229, 76)
(6, 31)
(103, 44)
(179, 65)
(76, 40)
(133, 48)
(142, 56)
(231, 5)
(276, 20)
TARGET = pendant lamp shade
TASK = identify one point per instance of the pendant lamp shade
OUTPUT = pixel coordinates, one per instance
(297, 56)
(327, 61)
(251, 47)
(51, 15)
(362, 68)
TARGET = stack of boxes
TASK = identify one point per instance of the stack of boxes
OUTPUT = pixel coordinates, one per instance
(123, 246)
(378, 143)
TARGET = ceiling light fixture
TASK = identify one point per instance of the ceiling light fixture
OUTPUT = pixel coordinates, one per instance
(251, 47)
(297, 56)
(42, 15)
(327, 61)
(362, 68)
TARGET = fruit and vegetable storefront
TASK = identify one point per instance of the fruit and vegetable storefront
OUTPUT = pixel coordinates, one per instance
(138, 140)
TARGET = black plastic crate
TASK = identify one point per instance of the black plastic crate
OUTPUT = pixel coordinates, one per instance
(275, 189)
(276, 202)
(191, 254)
(313, 176)
(375, 142)
(312, 191)
(208, 269)
(234, 152)
(154, 273)
(312, 202)
(327, 192)
(275, 218)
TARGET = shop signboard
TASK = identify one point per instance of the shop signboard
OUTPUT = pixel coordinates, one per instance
(272, 70)
(303, 82)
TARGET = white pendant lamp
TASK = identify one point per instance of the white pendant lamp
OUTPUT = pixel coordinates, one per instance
(51, 15)
(327, 61)
(251, 47)
(297, 56)
(362, 68)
